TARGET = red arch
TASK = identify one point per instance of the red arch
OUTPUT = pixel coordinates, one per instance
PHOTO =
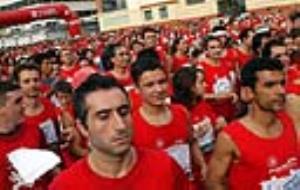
(25, 15)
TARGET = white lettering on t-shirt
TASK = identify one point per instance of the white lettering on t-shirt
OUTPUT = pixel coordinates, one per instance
(290, 182)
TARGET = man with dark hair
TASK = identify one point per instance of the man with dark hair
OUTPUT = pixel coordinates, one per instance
(69, 65)
(237, 164)
(258, 42)
(63, 93)
(276, 49)
(244, 50)
(103, 108)
(220, 79)
(158, 124)
(14, 133)
(150, 37)
(295, 33)
(39, 112)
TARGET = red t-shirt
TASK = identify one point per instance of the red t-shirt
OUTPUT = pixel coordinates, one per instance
(179, 61)
(202, 110)
(68, 73)
(243, 58)
(135, 99)
(126, 81)
(163, 136)
(49, 113)
(67, 157)
(220, 79)
(153, 170)
(293, 75)
(230, 57)
(261, 158)
(23, 138)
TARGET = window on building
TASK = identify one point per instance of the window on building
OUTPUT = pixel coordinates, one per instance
(163, 12)
(191, 2)
(114, 5)
(148, 14)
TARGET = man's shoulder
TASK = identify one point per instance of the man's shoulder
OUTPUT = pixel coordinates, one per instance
(159, 163)
(152, 155)
(70, 176)
(159, 158)
(233, 127)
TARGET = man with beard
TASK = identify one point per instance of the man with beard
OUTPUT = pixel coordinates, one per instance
(103, 108)
(262, 144)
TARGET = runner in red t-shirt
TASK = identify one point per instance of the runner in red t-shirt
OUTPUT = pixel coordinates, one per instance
(244, 50)
(237, 164)
(68, 67)
(63, 92)
(220, 79)
(159, 125)
(113, 163)
(40, 113)
(119, 59)
(188, 85)
(179, 55)
(13, 133)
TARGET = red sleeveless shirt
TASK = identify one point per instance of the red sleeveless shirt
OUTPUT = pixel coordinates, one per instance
(261, 158)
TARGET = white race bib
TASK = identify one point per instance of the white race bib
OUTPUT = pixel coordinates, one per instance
(49, 131)
(222, 85)
(181, 154)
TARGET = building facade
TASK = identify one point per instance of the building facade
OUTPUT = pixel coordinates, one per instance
(114, 14)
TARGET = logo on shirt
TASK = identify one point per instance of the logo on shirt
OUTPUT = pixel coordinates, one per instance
(222, 85)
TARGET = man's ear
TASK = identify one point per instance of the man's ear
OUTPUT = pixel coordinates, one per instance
(247, 94)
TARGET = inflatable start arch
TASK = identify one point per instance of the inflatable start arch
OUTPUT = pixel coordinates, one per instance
(25, 15)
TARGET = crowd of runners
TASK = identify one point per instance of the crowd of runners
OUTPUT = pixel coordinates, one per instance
(208, 103)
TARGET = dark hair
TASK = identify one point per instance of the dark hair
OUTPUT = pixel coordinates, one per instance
(245, 34)
(148, 52)
(39, 58)
(108, 54)
(63, 87)
(147, 30)
(144, 64)
(29, 66)
(134, 42)
(94, 83)
(218, 28)
(209, 39)
(257, 41)
(173, 48)
(295, 33)
(294, 16)
(249, 71)
(267, 49)
(195, 53)
(183, 81)
(5, 87)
